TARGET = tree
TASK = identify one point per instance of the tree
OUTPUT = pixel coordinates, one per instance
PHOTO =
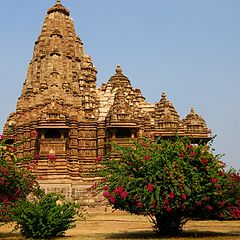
(171, 181)
(16, 178)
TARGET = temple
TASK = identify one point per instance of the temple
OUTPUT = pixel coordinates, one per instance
(74, 118)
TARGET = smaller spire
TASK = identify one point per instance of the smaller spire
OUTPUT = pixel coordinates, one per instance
(118, 69)
(192, 110)
(58, 1)
(164, 95)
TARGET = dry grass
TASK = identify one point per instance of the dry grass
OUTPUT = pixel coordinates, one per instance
(119, 226)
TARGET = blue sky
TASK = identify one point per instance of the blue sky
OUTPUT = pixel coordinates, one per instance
(189, 49)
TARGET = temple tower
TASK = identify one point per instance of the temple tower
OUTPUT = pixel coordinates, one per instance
(62, 113)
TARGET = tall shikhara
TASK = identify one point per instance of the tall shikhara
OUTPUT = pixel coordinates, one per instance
(74, 119)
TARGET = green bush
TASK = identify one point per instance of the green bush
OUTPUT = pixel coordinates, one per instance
(171, 181)
(47, 217)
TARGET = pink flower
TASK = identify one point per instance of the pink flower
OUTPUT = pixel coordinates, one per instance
(172, 195)
(111, 199)
(150, 187)
(192, 154)
(124, 194)
(184, 196)
(147, 158)
(214, 180)
(106, 194)
(99, 158)
(204, 161)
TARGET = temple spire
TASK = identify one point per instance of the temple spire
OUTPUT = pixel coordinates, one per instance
(58, 1)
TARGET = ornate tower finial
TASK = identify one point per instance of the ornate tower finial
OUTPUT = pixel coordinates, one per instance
(58, 1)
(118, 69)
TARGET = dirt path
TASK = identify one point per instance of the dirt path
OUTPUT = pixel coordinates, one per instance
(118, 225)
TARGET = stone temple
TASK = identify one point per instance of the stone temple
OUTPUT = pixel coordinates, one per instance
(74, 118)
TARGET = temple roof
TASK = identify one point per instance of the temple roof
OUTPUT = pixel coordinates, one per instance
(58, 8)
(118, 79)
(165, 110)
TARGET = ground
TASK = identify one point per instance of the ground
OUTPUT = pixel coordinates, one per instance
(118, 225)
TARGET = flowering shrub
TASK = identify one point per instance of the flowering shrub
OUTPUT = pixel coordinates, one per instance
(171, 181)
(16, 179)
(46, 217)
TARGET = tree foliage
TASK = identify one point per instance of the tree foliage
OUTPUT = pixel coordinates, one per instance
(16, 178)
(171, 181)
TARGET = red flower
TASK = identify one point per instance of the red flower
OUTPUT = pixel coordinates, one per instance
(168, 209)
(106, 194)
(150, 187)
(210, 208)
(2, 136)
(218, 186)
(221, 204)
(199, 203)
(111, 199)
(172, 195)
(99, 158)
(190, 146)
(105, 188)
(154, 204)
(204, 161)
(182, 155)
(4, 171)
(166, 201)
(51, 157)
(118, 190)
(11, 136)
(37, 156)
(124, 194)
(6, 201)
(221, 173)
(192, 154)
(184, 196)
(29, 168)
(147, 158)
(34, 133)
(139, 204)
(213, 180)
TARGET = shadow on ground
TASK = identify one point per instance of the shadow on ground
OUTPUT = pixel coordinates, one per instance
(186, 234)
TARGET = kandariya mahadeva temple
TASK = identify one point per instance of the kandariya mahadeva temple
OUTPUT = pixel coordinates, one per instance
(75, 118)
